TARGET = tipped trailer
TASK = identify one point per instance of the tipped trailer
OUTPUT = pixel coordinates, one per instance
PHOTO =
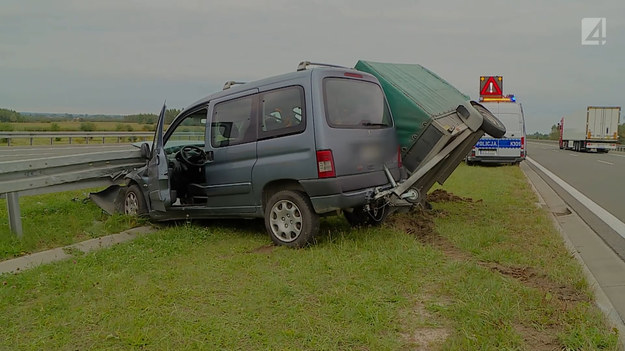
(594, 129)
(436, 126)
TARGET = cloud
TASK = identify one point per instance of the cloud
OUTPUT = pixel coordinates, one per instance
(124, 56)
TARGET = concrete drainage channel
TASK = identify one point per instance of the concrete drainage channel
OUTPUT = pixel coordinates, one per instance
(602, 266)
(29, 261)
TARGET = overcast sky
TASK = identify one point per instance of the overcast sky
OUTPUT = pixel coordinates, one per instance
(127, 56)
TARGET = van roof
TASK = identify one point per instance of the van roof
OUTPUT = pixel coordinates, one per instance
(266, 81)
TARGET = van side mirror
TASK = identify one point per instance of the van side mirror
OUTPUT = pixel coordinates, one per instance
(145, 150)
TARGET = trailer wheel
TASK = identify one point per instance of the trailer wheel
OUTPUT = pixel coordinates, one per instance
(290, 219)
(491, 124)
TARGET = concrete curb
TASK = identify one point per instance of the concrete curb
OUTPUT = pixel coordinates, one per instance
(23, 263)
(601, 299)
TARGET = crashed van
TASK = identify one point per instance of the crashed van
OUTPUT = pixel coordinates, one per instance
(291, 148)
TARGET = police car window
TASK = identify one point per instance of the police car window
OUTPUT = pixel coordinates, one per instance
(231, 122)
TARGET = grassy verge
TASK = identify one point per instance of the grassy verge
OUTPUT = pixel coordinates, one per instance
(55, 220)
(485, 273)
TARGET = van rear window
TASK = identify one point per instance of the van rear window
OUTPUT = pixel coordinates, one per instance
(351, 103)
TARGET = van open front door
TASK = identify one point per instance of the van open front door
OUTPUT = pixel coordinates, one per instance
(158, 174)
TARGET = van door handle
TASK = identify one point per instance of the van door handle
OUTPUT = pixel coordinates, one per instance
(210, 156)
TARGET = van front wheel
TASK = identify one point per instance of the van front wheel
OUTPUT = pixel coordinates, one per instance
(290, 219)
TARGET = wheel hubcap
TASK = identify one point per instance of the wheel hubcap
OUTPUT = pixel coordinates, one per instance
(286, 220)
(131, 204)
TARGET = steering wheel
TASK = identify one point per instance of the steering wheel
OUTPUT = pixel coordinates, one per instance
(193, 155)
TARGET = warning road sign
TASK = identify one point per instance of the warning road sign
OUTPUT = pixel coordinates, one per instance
(491, 86)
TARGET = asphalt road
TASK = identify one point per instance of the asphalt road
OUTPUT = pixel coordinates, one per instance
(599, 177)
(32, 152)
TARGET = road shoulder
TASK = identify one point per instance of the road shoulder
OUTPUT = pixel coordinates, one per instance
(602, 266)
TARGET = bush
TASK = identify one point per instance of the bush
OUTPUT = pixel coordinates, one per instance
(87, 126)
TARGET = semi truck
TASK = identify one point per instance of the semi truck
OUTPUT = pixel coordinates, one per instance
(593, 129)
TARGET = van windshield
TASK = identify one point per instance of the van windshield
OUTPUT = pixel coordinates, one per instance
(351, 103)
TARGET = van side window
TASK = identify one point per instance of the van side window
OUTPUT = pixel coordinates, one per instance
(351, 103)
(232, 122)
(282, 112)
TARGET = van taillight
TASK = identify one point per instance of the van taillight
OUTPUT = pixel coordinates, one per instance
(522, 142)
(472, 152)
(325, 164)
(399, 163)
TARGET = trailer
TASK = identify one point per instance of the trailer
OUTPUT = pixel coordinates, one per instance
(436, 126)
(594, 129)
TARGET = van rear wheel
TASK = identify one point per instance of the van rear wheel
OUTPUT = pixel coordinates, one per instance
(290, 219)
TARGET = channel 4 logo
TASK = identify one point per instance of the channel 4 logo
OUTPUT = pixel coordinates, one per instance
(594, 31)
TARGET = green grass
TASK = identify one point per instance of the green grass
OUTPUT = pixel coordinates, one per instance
(55, 220)
(219, 285)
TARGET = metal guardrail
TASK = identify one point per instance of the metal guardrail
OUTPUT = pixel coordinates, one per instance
(86, 136)
(61, 173)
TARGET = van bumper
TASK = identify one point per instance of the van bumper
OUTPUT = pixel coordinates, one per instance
(495, 159)
(343, 192)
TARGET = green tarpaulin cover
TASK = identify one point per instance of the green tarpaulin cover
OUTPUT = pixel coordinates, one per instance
(415, 95)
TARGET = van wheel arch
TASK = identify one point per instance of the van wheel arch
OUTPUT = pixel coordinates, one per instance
(275, 186)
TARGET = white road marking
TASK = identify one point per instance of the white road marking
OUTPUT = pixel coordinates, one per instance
(604, 215)
(574, 155)
(613, 154)
(606, 162)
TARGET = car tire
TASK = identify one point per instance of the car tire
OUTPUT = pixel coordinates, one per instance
(290, 219)
(134, 202)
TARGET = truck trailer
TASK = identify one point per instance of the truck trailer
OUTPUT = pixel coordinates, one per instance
(594, 129)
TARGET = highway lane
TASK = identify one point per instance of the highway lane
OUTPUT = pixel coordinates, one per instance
(597, 176)
(41, 151)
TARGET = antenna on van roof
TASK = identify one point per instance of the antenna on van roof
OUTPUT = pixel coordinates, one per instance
(230, 83)
(302, 65)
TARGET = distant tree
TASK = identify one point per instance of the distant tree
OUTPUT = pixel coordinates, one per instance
(539, 136)
(54, 127)
(10, 116)
(87, 126)
(170, 114)
(555, 133)
(143, 118)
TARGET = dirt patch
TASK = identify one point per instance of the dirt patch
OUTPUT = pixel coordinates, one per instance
(539, 340)
(440, 195)
(420, 223)
(265, 249)
(421, 330)
(529, 277)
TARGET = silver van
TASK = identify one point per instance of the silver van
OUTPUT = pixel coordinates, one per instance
(511, 147)
(287, 149)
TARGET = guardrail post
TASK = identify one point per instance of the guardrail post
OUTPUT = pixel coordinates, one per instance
(15, 220)
(9, 141)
